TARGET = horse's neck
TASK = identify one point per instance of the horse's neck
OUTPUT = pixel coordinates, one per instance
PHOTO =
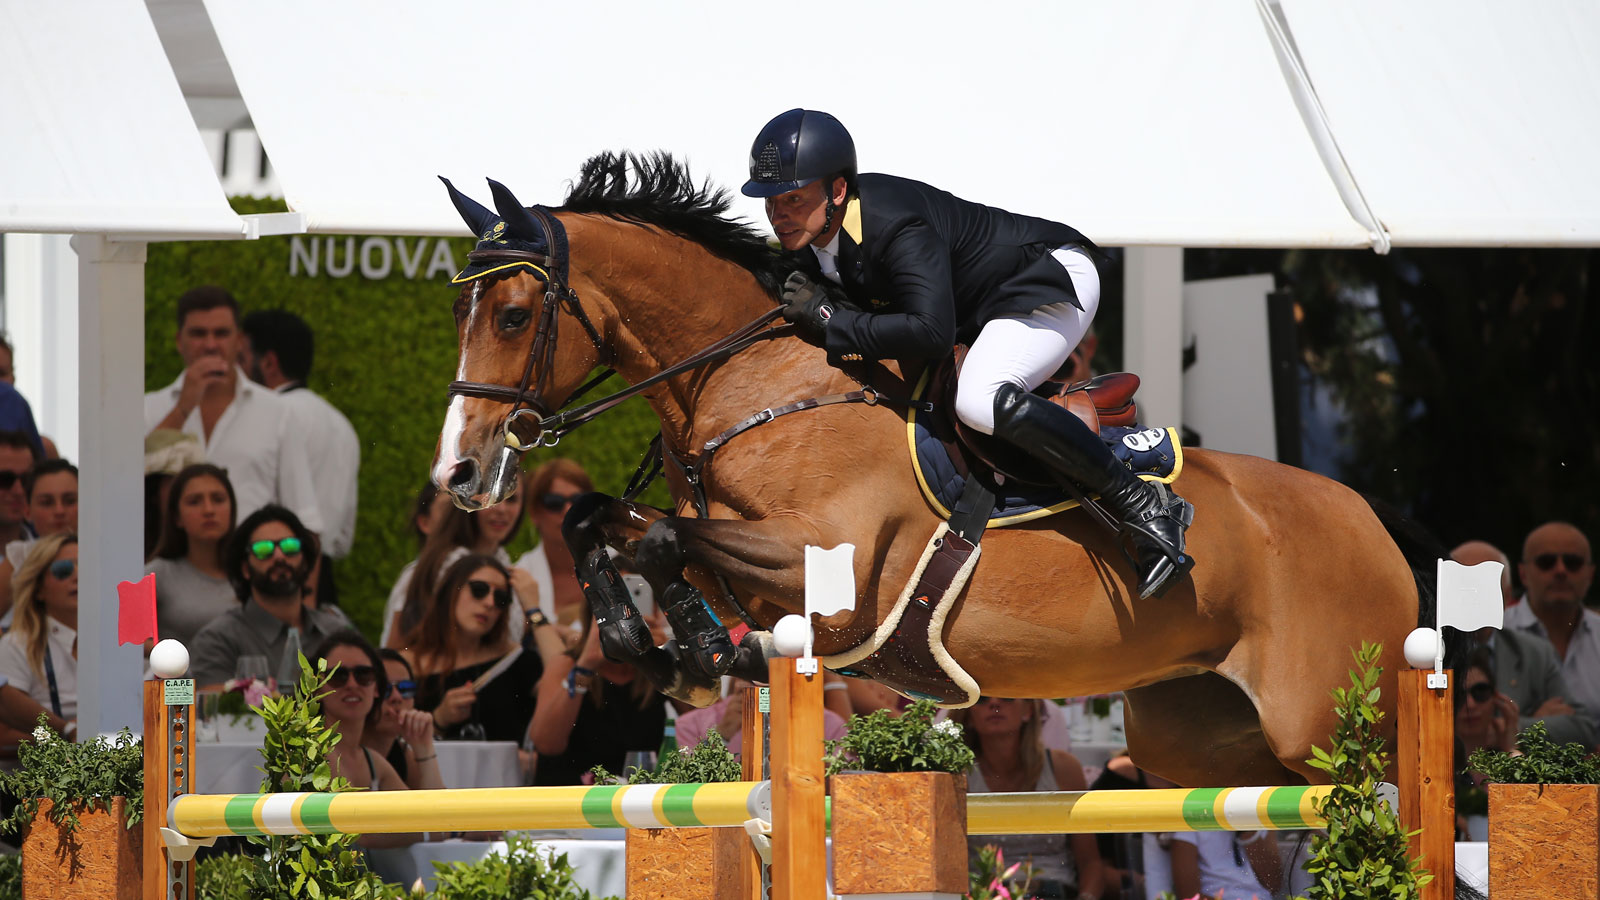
(673, 298)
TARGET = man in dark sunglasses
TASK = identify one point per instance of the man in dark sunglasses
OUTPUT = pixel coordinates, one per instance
(1525, 666)
(1557, 569)
(16, 458)
(269, 559)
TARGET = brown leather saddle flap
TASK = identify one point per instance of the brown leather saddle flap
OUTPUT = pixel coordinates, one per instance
(1101, 402)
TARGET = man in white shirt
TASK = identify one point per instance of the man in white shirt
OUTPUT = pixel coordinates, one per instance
(277, 353)
(244, 428)
(1557, 569)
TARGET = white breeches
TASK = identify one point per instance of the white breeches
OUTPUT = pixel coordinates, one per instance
(1026, 350)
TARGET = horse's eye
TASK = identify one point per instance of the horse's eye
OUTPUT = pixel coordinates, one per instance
(514, 318)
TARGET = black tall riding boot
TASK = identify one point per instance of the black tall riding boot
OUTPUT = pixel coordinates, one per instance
(1153, 517)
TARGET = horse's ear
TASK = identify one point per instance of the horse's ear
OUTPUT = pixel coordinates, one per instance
(519, 222)
(477, 217)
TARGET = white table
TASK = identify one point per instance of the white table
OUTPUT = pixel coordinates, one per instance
(233, 767)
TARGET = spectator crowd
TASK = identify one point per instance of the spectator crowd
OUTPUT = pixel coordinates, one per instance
(251, 500)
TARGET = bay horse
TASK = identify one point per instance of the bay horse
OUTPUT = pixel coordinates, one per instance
(1227, 677)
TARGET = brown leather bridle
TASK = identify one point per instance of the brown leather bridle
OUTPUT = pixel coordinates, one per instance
(528, 398)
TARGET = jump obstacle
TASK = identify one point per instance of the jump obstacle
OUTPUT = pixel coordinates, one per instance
(792, 800)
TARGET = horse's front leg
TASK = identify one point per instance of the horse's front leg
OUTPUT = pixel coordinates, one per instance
(750, 553)
(595, 523)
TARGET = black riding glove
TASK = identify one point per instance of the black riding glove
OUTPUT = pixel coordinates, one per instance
(806, 305)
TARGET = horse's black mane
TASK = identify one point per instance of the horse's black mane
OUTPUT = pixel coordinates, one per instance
(661, 192)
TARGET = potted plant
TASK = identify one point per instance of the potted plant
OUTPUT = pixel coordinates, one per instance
(78, 808)
(899, 782)
(684, 862)
(1544, 818)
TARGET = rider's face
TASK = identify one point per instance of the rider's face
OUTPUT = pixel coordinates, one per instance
(800, 216)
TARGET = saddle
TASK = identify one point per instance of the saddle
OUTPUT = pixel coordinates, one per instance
(1102, 401)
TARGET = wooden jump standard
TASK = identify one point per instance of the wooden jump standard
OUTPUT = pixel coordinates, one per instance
(793, 799)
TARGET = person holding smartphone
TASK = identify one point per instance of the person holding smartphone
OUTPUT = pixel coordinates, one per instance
(545, 578)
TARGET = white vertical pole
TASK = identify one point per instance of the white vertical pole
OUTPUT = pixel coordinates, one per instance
(111, 479)
(1152, 331)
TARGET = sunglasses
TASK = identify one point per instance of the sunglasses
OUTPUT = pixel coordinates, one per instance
(1572, 561)
(8, 480)
(983, 700)
(481, 589)
(366, 676)
(63, 568)
(406, 689)
(557, 502)
(1481, 692)
(263, 549)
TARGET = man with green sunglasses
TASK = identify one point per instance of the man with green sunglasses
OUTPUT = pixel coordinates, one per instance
(269, 560)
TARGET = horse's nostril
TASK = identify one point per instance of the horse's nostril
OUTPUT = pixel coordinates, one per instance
(465, 474)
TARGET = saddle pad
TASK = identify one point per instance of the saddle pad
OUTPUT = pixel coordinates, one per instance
(1154, 454)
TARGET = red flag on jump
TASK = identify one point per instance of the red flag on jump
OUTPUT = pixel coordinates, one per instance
(136, 614)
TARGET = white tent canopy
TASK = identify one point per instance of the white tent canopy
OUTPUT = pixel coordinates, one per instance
(1463, 123)
(94, 131)
(1039, 107)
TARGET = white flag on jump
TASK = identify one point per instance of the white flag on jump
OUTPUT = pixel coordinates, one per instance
(830, 580)
(1469, 596)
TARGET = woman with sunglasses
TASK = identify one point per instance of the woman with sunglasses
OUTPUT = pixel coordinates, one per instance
(351, 707)
(1011, 756)
(403, 734)
(455, 534)
(191, 585)
(39, 655)
(472, 676)
(549, 566)
(50, 488)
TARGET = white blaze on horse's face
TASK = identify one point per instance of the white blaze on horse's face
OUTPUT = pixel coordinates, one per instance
(496, 478)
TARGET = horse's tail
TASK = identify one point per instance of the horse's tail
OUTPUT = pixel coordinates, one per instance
(1422, 552)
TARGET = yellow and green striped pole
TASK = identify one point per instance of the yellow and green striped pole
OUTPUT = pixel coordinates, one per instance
(475, 809)
(1175, 809)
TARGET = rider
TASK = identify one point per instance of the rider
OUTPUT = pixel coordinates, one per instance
(924, 270)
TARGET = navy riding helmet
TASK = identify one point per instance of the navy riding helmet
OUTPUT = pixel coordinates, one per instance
(796, 148)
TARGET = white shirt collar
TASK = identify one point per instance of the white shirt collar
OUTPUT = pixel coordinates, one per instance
(832, 247)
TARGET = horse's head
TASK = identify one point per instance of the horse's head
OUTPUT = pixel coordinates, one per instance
(513, 372)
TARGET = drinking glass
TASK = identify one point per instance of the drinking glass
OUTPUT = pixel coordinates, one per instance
(638, 759)
(252, 668)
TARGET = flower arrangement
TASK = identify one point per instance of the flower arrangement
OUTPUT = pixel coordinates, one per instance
(243, 696)
(991, 879)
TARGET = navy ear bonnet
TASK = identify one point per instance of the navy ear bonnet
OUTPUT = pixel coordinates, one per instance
(512, 228)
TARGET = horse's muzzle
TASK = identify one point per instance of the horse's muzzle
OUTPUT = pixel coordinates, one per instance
(472, 488)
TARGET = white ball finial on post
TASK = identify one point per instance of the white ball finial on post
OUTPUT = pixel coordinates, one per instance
(1422, 648)
(169, 659)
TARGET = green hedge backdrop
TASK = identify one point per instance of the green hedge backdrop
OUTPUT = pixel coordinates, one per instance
(385, 349)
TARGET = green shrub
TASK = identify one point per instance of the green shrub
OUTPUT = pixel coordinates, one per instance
(295, 758)
(225, 877)
(11, 876)
(1542, 761)
(910, 742)
(1363, 855)
(526, 872)
(710, 761)
(384, 352)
